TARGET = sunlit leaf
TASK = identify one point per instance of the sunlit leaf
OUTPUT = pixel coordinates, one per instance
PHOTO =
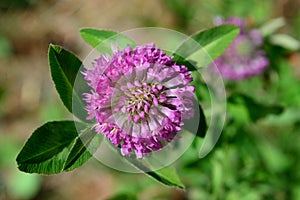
(203, 47)
(285, 41)
(272, 26)
(104, 39)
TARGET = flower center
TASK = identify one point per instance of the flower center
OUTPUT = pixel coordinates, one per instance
(137, 100)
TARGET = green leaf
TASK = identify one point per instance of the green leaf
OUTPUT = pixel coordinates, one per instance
(64, 68)
(285, 41)
(247, 105)
(271, 26)
(166, 175)
(191, 65)
(207, 45)
(95, 37)
(103, 39)
(79, 152)
(55, 147)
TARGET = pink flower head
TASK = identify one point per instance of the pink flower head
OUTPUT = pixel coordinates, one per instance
(139, 98)
(244, 57)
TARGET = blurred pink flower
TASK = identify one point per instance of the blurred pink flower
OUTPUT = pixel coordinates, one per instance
(244, 57)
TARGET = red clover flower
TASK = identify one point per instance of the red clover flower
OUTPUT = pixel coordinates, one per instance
(139, 98)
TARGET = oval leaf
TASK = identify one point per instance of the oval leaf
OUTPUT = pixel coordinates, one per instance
(64, 67)
(285, 41)
(166, 175)
(271, 26)
(207, 45)
(54, 147)
(95, 37)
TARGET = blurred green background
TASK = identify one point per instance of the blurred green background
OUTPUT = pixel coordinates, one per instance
(252, 160)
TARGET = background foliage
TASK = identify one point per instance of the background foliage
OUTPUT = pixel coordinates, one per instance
(257, 155)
